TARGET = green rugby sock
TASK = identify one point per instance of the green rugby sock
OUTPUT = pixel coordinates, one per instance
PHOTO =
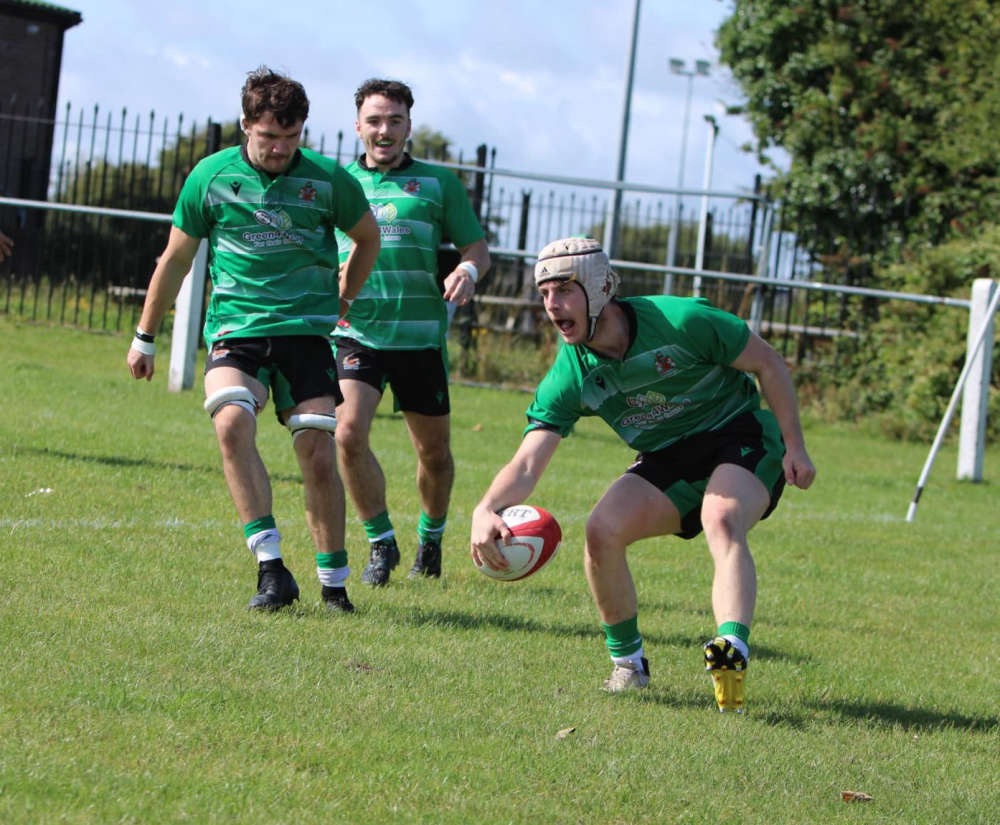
(430, 529)
(623, 639)
(379, 527)
(738, 635)
(332, 569)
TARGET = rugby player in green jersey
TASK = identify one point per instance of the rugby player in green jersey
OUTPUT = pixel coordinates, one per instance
(672, 377)
(269, 210)
(395, 332)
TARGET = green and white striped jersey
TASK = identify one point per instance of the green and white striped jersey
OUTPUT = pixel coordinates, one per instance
(416, 205)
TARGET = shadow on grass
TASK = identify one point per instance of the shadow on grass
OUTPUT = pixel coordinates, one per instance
(462, 620)
(908, 718)
(123, 461)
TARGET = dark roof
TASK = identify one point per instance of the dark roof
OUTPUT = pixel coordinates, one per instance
(44, 12)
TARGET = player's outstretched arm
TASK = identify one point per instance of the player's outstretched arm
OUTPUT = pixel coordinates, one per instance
(759, 358)
(512, 485)
(171, 267)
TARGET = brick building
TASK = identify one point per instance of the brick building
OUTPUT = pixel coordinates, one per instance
(31, 45)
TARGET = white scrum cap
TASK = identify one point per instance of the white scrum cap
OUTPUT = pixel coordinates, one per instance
(584, 261)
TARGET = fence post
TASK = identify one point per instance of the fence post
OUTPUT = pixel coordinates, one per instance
(187, 323)
(756, 320)
(975, 397)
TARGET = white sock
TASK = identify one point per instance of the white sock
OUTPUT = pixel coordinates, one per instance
(333, 576)
(634, 658)
(265, 545)
(739, 644)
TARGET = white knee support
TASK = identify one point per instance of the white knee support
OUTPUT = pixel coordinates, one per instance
(311, 421)
(240, 396)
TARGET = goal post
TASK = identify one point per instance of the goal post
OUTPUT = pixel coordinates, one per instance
(975, 396)
(187, 323)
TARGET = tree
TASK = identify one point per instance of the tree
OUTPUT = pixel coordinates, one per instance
(886, 109)
(427, 143)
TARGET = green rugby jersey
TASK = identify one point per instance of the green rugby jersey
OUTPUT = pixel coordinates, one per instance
(273, 249)
(415, 205)
(675, 378)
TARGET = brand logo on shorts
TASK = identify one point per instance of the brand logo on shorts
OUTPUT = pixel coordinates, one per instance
(219, 352)
(745, 451)
(351, 362)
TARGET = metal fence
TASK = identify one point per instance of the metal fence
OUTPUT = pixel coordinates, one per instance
(90, 265)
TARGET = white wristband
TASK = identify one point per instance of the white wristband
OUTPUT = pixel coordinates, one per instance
(470, 269)
(145, 347)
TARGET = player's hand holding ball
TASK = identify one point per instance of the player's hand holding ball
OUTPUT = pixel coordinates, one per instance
(531, 539)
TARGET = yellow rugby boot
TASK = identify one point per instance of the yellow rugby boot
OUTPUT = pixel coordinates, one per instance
(727, 667)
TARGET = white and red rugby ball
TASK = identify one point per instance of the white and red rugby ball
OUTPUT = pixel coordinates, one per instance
(536, 540)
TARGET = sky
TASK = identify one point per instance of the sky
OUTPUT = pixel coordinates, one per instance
(541, 81)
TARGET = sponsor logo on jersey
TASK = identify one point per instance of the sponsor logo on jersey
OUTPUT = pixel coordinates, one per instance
(307, 193)
(280, 233)
(384, 212)
(646, 399)
(649, 418)
(235, 186)
(385, 215)
(412, 186)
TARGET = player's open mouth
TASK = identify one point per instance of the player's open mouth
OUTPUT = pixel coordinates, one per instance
(564, 326)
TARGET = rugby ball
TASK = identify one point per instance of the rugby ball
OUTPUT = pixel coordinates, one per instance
(536, 540)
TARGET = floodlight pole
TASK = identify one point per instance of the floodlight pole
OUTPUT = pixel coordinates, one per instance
(701, 67)
(699, 255)
(611, 230)
(986, 327)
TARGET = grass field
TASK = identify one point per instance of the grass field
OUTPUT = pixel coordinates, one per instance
(136, 688)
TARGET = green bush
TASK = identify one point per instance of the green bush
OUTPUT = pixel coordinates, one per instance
(901, 372)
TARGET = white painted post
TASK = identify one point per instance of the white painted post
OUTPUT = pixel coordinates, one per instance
(763, 268)
(187, 323)
(975, 398)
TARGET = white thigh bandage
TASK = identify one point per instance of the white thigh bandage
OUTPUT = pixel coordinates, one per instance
(240, 396)
(311, 421)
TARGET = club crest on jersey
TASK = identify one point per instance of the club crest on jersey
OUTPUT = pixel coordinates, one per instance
(307, 193)
(412, 186)
(664, 363)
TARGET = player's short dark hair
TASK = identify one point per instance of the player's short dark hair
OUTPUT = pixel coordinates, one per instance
(268, 91)
(392, 89)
